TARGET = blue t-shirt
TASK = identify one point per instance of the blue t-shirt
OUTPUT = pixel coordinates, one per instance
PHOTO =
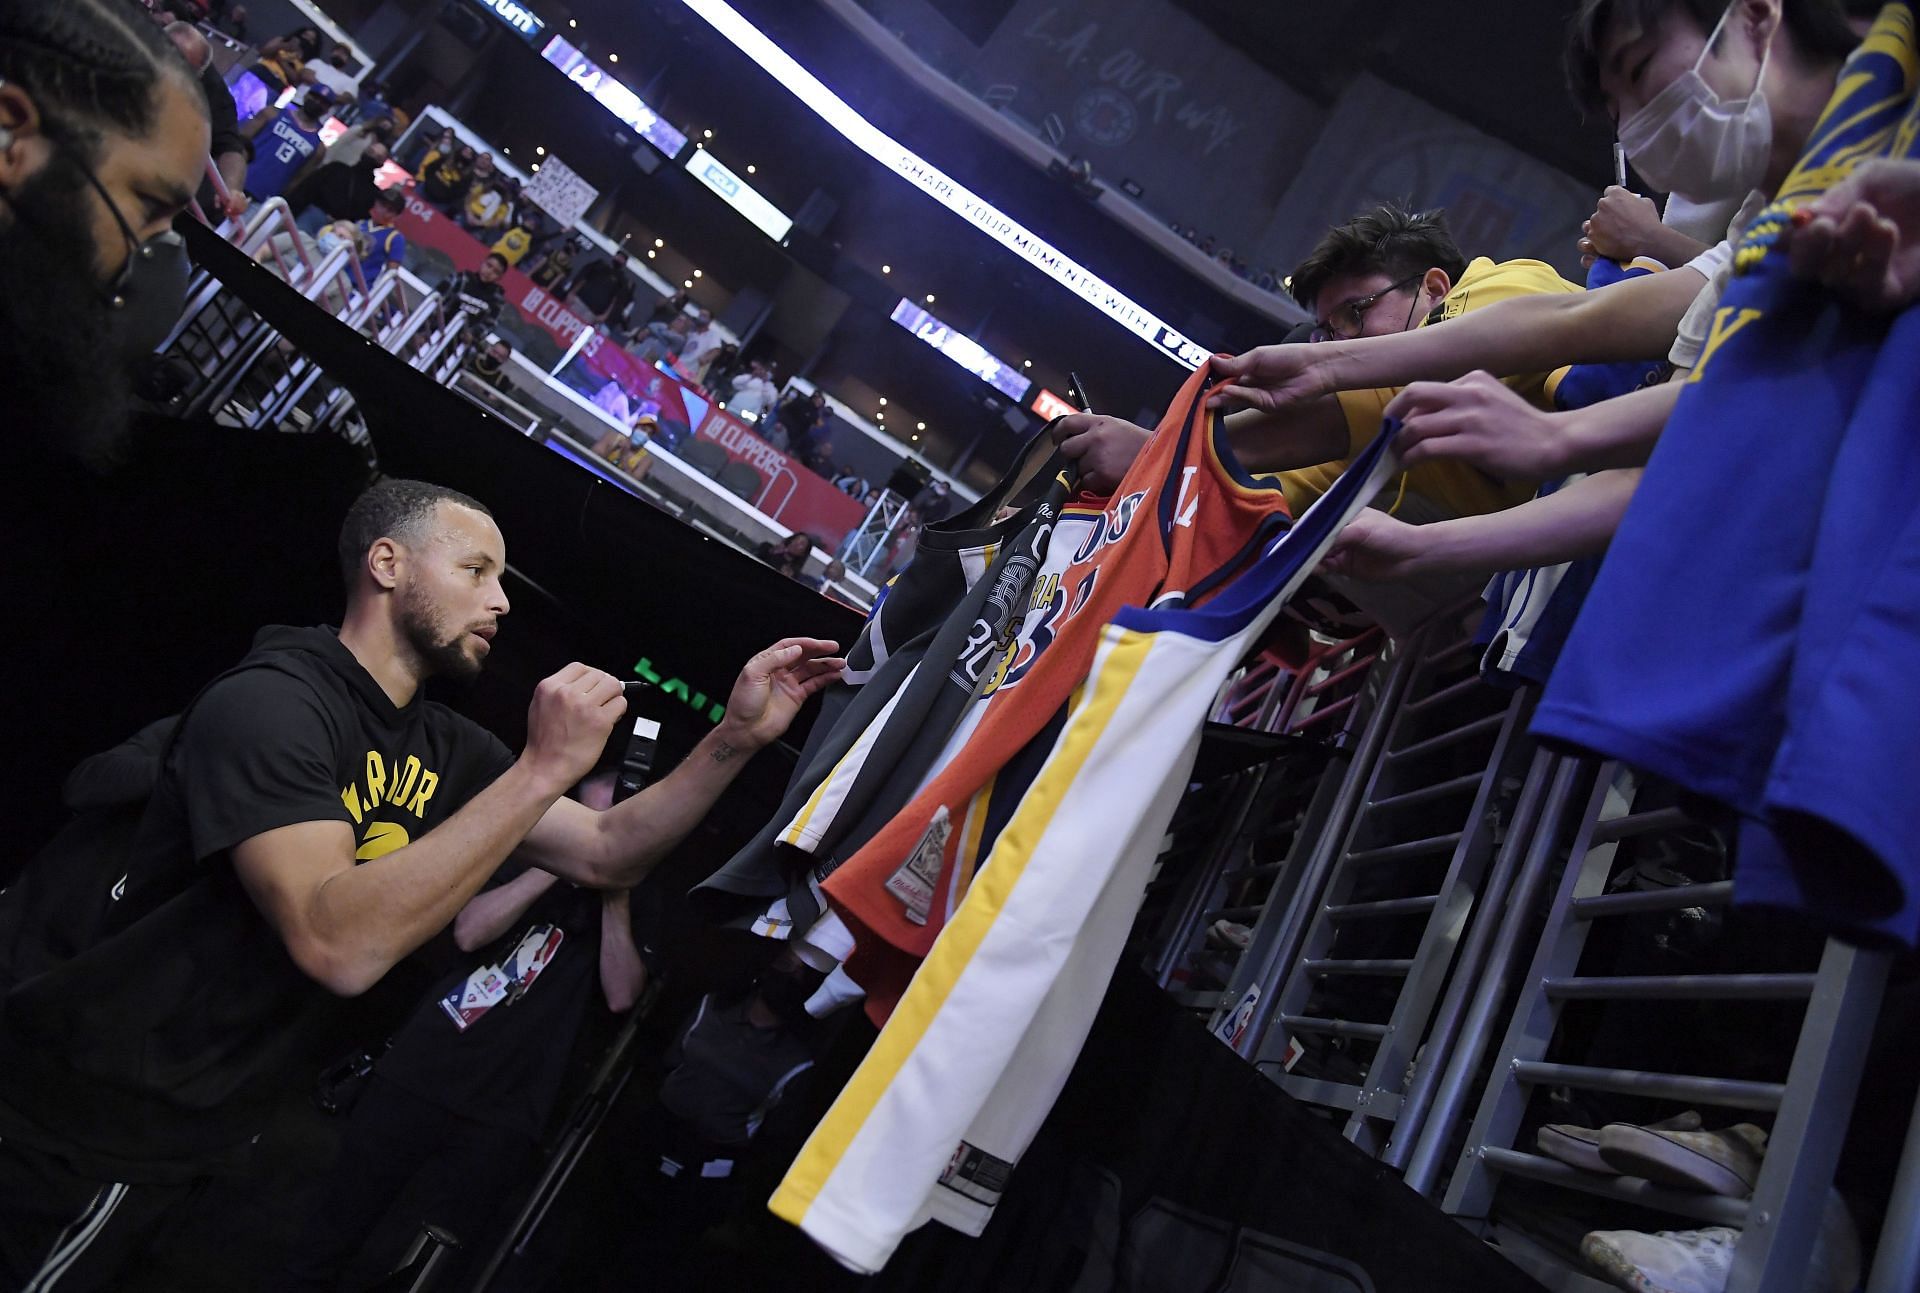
(384, 247)
(278, 152)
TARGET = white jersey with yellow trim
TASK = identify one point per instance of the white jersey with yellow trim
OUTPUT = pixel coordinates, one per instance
(981, 1042)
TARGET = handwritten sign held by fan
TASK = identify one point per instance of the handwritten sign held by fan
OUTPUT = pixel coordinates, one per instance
(555, 189)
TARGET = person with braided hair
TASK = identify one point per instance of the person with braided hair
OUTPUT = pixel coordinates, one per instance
(103, 139)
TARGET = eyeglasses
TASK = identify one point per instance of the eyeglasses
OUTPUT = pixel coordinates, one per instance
(1349, 317)
(136, 250)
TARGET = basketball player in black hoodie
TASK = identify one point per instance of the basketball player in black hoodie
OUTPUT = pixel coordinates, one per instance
(315, 821)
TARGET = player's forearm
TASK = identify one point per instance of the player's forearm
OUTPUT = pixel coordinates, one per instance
(622, 972)
(1300, 435)
(488, 915)
(1619, 432)
(1570, 523)
(367, 917)
(635, 835)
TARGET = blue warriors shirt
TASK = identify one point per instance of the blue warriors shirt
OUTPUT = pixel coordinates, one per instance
(1749, 630)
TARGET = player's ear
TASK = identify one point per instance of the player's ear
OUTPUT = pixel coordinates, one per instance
(384, 559)
(1437, 284)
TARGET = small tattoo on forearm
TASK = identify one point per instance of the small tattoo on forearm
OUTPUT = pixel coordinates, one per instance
(722, 752)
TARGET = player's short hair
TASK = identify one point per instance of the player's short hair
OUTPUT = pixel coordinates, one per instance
(390, 199)
(1818, 28)
(494, 255)
(394, 509)
(1387, 239)
(93, 67)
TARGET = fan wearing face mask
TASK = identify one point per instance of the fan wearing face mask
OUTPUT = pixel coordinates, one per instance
(1713, 102)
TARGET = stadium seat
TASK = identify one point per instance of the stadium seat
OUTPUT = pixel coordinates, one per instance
(741, 479)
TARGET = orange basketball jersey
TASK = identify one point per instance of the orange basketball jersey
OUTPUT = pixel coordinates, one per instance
(1185, 512)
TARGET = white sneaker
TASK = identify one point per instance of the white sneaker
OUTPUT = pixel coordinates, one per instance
(1699, 1261)
(1580, 1146)
(1720, 1162)
(1229, 934)
(1670, 1261)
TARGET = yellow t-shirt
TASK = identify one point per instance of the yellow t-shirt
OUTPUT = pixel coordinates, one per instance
(1453, 488)
(513, 244)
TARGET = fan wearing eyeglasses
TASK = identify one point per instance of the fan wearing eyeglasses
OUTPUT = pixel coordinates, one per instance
(1387, 270)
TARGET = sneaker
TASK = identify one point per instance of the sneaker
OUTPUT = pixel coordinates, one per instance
(1669, 1261)
(1229, 934)
(1580, 1146)
(1718, 1162)
(1699, 1261)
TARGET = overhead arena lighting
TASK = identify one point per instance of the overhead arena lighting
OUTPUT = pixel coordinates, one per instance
(921, 173)
(962, 350)
(613, 96)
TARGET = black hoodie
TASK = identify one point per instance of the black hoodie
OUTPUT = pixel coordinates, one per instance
(155, 1054)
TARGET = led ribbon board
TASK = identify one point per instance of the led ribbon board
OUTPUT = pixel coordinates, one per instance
(962, 350)
(738, 194)
(613, 96)
(516, 16)
(996, 224)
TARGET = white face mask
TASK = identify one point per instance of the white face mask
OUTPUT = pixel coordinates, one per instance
(1687, 139)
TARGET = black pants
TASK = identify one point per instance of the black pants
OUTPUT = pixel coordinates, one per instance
(61, 1230)
(469, 1173)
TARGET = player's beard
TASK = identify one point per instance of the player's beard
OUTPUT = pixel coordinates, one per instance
(442, 650)
(60, 384)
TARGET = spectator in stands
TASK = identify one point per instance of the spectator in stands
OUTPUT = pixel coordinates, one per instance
(484, 213)
(702, 344)
(445, 144)
(488, 362)
(554, 265)
(444, 178)
(628, 450)
(386, 245)
(602, 289)
(524, 228)
(836, 571)
(93, 168)
(283, 59)
(663, 340)
(285, 144)
(722, 366)
(852, 484)
(372, 103)
(234, 23)
(803, 420)
(338, 190)
(335, 71)
(477, 292)
(353, 142)
(1386, 271)
(669, 307)
(788, 555)
(1668, 314)
(932, 502)
(753, 392)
